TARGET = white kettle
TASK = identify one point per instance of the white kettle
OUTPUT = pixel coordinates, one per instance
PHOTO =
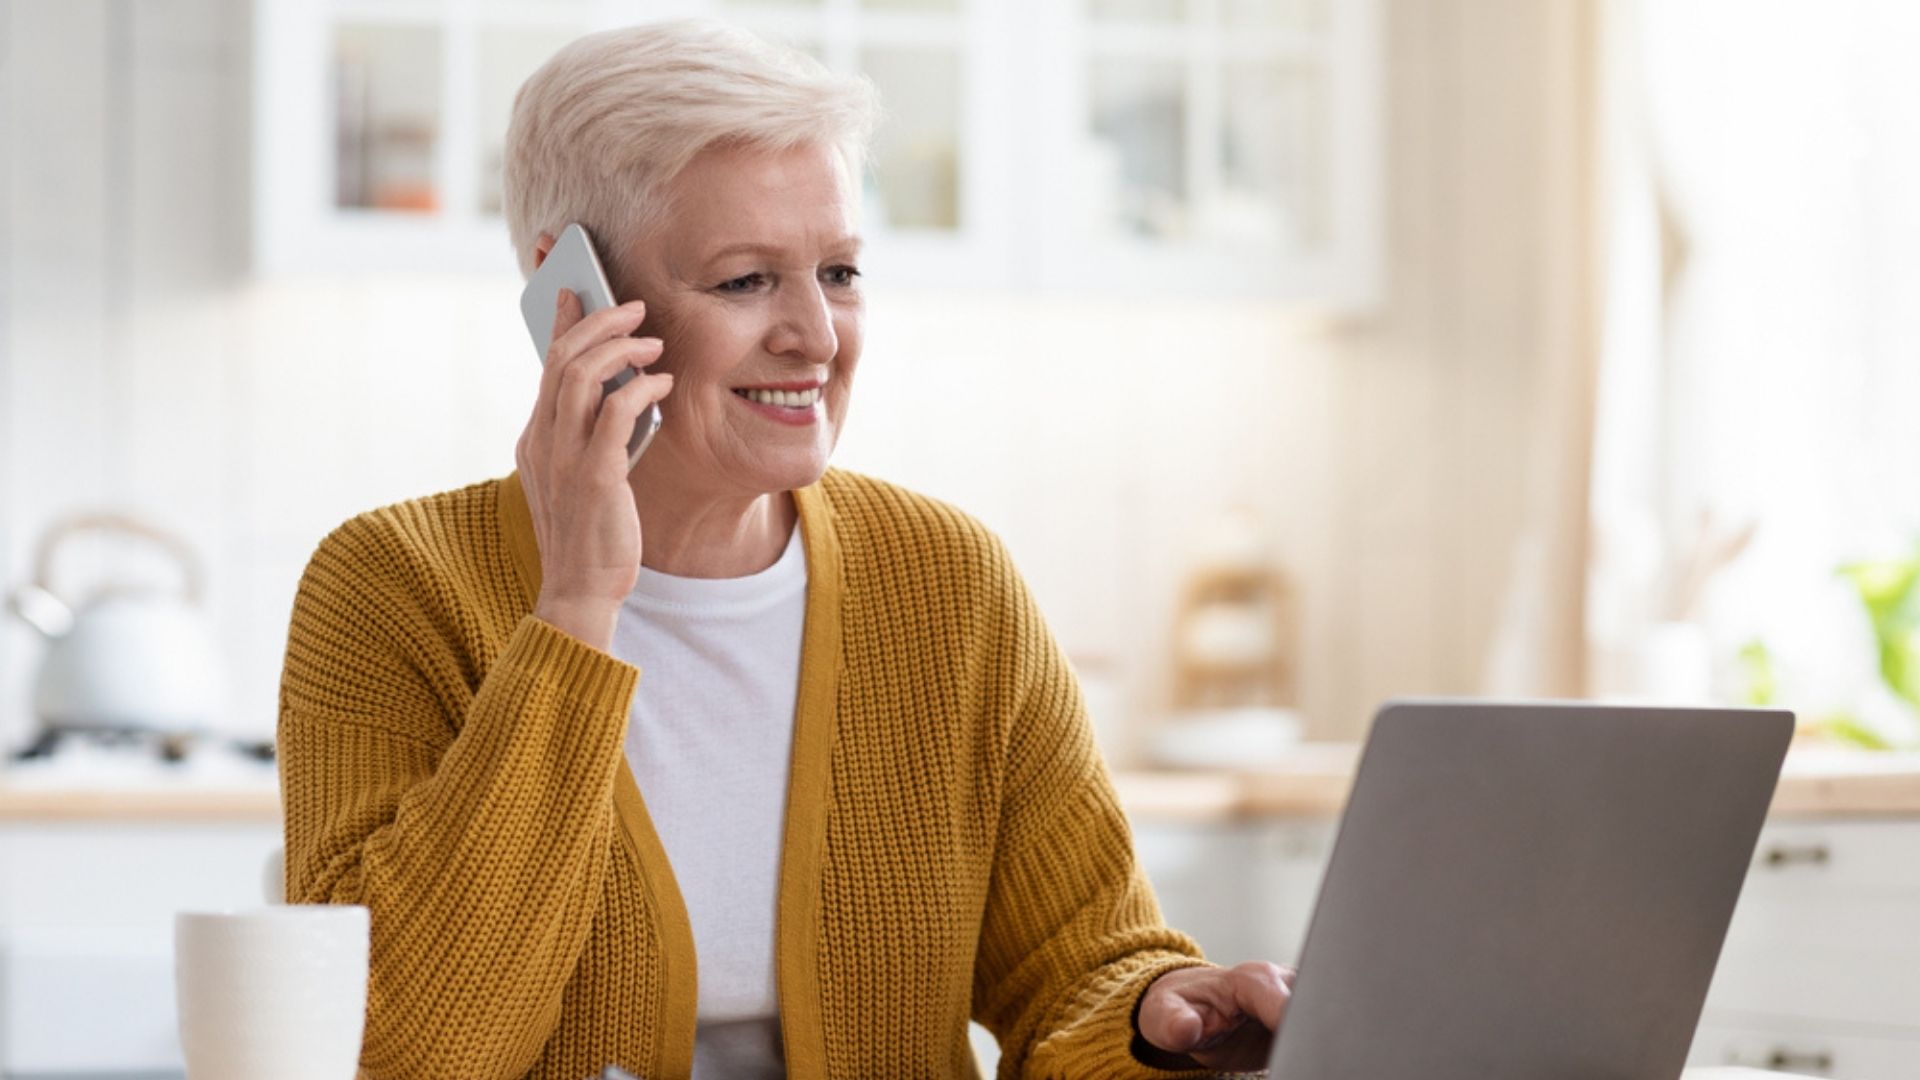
(128, 657)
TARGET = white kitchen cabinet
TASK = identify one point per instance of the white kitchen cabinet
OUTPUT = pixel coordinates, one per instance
(1217, 147)
(1820, 973)
(1292, 860)
(1808, 1050)
(1244, 891)
(86, 934)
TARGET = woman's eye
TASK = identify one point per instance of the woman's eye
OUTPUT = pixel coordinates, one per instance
(840, 275)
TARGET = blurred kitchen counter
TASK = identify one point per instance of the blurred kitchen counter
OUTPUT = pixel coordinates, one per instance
(1312, 780)
(156, 804)
(118, 779)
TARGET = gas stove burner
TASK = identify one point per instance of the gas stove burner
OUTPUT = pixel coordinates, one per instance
(170, 747)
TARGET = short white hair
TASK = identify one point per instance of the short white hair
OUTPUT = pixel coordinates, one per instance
(602, 128)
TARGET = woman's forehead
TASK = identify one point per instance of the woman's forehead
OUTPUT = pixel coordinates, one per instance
(849, 243)
(741, 184)
(762, 204)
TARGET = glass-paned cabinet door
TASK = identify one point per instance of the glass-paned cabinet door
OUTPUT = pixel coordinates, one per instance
(930, 213)
(1274, 158)
(1144, 11)
(911, 5)
(916, 155)
(505, 53)
(379, 128)
(1226, 146)
(385, 80)
(1138, 148)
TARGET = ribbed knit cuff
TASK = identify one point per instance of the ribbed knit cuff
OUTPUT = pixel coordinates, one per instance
(577, 669)
(1139, 1051)
(1112, 1055)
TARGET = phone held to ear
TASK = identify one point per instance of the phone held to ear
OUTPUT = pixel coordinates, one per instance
(572, 264)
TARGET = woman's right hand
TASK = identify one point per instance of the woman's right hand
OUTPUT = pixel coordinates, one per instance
(572, 459)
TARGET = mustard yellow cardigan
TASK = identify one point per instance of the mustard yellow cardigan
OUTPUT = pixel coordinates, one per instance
(953, 846)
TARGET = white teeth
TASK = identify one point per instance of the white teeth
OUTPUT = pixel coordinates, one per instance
(790, 399)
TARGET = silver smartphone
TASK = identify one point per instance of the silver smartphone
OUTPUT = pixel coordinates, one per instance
(572, 264)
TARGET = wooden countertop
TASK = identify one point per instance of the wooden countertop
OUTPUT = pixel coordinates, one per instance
(1310, 782)
(142, 804)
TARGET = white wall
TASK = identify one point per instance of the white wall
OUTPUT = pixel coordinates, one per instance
(147, 372)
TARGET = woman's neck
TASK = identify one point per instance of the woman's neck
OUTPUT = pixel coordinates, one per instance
(694, 534)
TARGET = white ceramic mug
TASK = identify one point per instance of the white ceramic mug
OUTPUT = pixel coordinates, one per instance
(278, 991)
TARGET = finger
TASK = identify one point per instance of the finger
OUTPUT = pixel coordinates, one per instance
(1170, 1022)
(608, 324)
(621, 411)
(578, 398)
(1245, 1047)
(589, 330)
(1260, 991)
(566, 312)
(586, 382)
(617, 321)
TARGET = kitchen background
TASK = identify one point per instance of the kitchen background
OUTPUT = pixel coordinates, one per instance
(1305, 352)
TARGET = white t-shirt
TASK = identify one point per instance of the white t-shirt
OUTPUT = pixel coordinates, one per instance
(710, 738)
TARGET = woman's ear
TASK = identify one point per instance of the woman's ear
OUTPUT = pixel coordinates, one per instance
(541, 246)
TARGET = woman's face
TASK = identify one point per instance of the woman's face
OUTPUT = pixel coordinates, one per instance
(752, 284)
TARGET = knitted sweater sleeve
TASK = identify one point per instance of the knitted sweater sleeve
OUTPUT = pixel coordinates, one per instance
(473, 822)
(1072, 933)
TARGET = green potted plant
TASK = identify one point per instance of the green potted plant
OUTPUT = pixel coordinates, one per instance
(1889, 593)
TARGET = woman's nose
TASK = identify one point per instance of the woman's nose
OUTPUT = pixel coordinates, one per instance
(805, 329)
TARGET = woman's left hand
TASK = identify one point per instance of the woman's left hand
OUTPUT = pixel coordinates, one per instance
(1223, 1018)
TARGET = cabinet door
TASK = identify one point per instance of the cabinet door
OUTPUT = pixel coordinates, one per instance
(1244, 891)
(86, 935)
(937, 195)
(1203, 876)
(1293, 861)
(1828, 926)
(1808, 1051)
(1225, 145)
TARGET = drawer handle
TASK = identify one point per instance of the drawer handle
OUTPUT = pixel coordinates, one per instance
(1818, 1061)
(1781, 856)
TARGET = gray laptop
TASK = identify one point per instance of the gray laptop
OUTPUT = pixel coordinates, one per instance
(1529, 891)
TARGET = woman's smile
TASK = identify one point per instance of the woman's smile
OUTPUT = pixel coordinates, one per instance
(800, 407)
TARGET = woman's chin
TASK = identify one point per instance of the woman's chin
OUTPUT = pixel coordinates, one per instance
(795, 469)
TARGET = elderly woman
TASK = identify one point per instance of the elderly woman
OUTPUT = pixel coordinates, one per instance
(733, 765)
